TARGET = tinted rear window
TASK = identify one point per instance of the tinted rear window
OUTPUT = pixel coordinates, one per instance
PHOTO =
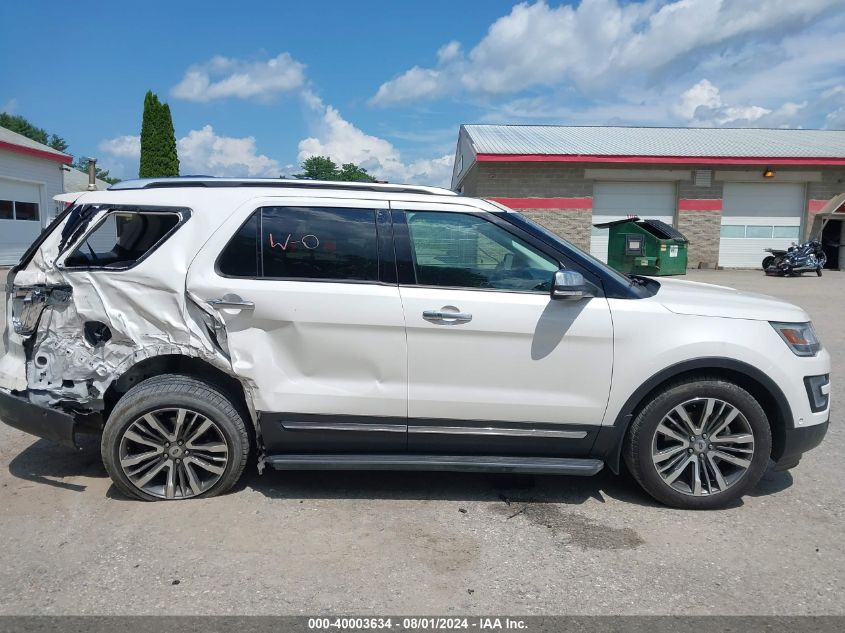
(304, 243)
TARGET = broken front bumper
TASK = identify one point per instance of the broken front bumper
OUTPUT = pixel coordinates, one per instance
(51, 424)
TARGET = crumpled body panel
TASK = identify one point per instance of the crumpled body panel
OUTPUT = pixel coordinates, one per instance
(144, 312)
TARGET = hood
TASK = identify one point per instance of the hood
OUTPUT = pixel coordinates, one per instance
(694, 298)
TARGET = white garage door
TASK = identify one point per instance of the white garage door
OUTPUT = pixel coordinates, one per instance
(20, 218)
(619, 200)
(757, 216)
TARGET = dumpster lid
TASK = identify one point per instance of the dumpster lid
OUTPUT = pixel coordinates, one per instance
(662, 230)
(607, 225)
(658, 228)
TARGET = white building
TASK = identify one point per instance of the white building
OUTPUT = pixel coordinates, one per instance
(30, 175)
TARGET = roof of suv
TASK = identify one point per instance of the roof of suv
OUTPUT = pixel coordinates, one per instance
(210, 181)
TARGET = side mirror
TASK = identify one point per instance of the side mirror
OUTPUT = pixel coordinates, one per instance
(570, 285)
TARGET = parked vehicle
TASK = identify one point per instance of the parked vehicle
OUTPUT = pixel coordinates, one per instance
(196, 322)
(775, 256)
(797, 259)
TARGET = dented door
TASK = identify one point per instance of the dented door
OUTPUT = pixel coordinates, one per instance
(312, 322)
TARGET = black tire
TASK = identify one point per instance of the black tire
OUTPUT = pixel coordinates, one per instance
(819, 272)
(176, 391)
(767, 261)
(638, 447)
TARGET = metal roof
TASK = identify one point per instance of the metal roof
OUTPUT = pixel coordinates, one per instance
(19, 140)
(656, 141)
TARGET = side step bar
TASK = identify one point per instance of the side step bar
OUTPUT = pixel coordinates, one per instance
(457, 463)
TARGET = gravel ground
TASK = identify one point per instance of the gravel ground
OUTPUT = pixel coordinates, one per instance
(433, 543)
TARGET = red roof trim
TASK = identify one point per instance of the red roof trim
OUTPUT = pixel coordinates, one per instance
(545, 203)
(684, 160)
(692, 204)
(817, 205)
(38, 153)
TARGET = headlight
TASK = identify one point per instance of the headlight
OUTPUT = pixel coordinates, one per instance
(801, 337)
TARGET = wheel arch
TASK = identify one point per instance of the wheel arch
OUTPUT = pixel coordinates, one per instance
(610, 439)
(187, 366)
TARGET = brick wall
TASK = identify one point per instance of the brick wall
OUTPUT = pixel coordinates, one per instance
(574, 225)
(527, 180)
(701, 228)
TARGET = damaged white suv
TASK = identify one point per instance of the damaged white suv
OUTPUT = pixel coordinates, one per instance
(197, 322)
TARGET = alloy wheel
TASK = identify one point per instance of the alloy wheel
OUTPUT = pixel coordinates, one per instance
(702, 446)
(173, 453)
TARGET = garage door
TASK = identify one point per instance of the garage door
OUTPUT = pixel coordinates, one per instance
(757, 216)
(619, 200)
(20, 218)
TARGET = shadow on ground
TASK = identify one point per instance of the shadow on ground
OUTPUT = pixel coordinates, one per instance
(46, 463)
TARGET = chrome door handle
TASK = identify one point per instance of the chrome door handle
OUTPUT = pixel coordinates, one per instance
(446, 316)
(231, 303)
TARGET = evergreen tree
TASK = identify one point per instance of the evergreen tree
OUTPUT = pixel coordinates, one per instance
(158, 141)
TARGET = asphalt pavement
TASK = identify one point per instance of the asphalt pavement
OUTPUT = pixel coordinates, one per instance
(430, 543)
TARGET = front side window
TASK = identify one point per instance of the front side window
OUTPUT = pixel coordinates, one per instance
(122, 238)
(464, 251)
(304, 243)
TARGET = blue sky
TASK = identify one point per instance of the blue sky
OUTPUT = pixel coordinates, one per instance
(255, 87)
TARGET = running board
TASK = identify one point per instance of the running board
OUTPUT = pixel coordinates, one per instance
(457, 463)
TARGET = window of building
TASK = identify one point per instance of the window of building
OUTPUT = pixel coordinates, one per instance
(305, 243)
(786, 232)
(760, 232)
(732, 230)
(14, 210)
(464, 251)
(122, 239)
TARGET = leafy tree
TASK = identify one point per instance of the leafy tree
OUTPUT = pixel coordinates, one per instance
(324, 168)
(318, 168)
(19, 124)
(57, 143)
(353, 173)
(103, 174)
(158, 141)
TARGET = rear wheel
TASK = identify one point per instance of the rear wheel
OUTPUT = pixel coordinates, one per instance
(174, 437)
(700, 444)
(768, 261)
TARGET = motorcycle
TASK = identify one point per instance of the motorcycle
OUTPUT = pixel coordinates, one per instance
(776, 255)
(797, 259)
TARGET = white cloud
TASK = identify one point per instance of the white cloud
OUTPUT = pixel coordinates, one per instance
(204, 152)
(343, 142)
(701, 94)
(10, 107)
(416, 83)
(223, 77)
(702, 104)
(598, 44)
(122, 146)
(200, 152)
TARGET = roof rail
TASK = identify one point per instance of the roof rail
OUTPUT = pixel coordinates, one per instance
(210, 181)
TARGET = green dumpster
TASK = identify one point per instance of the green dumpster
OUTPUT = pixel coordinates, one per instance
(645, 247)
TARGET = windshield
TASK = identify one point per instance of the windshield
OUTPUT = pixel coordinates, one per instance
(558, 241)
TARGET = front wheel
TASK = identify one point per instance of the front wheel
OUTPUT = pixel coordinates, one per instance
(699, 444)
(174, 437)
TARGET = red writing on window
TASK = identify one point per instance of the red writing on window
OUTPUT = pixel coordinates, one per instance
(309, 241)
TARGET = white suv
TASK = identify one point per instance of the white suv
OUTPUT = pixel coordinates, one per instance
(194, 322)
